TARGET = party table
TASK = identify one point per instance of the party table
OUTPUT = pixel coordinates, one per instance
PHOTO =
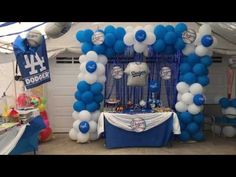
(138, 130)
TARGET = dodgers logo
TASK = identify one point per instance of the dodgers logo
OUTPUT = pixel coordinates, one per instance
(31, 63)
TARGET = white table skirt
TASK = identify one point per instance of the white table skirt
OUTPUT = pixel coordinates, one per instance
(123, 121)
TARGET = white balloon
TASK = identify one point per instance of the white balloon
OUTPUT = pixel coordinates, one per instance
(150, 39)
(179, 97)
(102, 59)
(138, 28)
(129, 39)
(81, 76)
(148, 28)
(215, 42)
(82, 58)
(95, 115)
(129, 29)
(92, 56)
(75, 115)
(189, 48)
(230, 112)
(73, 134)
(205, 29)
(82, 138)
(101, 79)
(82, 67)
(229, 131)
(76, 125)
(196, 88)
(182, 87)
(201, 50)
(84, 115)
(92, 126)
(93, 136)
(145, 52)
(100, 69)
(90, 78)
(216, 129)
(180, 106)
(187, 98)
(194, 109)
(198, 39)
(139, 47)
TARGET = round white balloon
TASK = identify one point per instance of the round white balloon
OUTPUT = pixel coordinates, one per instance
(129, 39)
(82, 67)
(76, 125)
(129, 29)
(182, 87)
(90, 78)
(101, 79)
(201, 50)
(229, 131)
(138, 28)
(92, 126)
(230, 112)
(187, 98)
(139, 47)
(82, 58)
(196, 88)
(95, 115)
(205, 29)
(194, 109)
(81, 76)
(150, 39)
(179, 96)
(75, 115)
(189, 48)
(180, 106)
(73, 134)
(92, 56)
(102, 59)
(100, 69)
(82, 138)
(148, 28)
(84, 115)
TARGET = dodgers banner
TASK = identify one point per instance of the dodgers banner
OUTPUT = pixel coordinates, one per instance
(33, 62)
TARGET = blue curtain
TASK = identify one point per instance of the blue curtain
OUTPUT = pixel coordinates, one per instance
(118, 88)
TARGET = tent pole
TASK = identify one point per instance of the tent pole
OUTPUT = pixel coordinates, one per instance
(14, 82)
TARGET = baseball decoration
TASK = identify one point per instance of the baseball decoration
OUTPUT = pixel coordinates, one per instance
(165, 73)
(98, 37)
(138, 124)
(34, 38)
(189, 36)
(117, 72)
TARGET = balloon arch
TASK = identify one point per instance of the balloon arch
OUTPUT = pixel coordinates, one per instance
(98, 47)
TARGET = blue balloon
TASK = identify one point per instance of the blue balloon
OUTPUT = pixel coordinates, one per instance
(98, 98)
(170, 37)
(182, 125)
(99, 49)
(80, 36)
(198, 136)
(119, 47)
(160, 31)
(199, 69)
(170, 28)
(233, 102)
(169, 50)
(207, 40)
(159, 45)
(180, 28)
(79, 106)
(88, 33)
(110, 29)
(185, 68)
(203, 80)
(87, 97)
(140, 35)
(110, 39)
(199, 99)
(86, 47)
(181, 78)
(184, 136)
(84, 127)
(206, 72)
(190, 78)
(120, 33)
(83, 86)
(185, 117)
(199, 118)
(193, 58)
(91, 107)
(179, 45)
(96, 88)
(192, 128)
(110, 52)
(78, 95)
(154, 86)
(224, 102)
(91, 66)
(206, 60)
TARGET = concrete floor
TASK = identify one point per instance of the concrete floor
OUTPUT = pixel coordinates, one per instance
(62, 145)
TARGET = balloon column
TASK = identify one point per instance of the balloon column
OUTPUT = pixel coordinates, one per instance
(193, 78)
(88, 97)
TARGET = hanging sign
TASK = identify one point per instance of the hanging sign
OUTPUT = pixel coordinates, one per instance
(98, 38)
(189, 36)
(138, 124)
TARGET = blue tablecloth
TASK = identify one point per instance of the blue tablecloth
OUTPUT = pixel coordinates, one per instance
(155, 137)
(29, 140)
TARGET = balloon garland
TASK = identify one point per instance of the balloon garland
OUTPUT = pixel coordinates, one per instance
(193, 78)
